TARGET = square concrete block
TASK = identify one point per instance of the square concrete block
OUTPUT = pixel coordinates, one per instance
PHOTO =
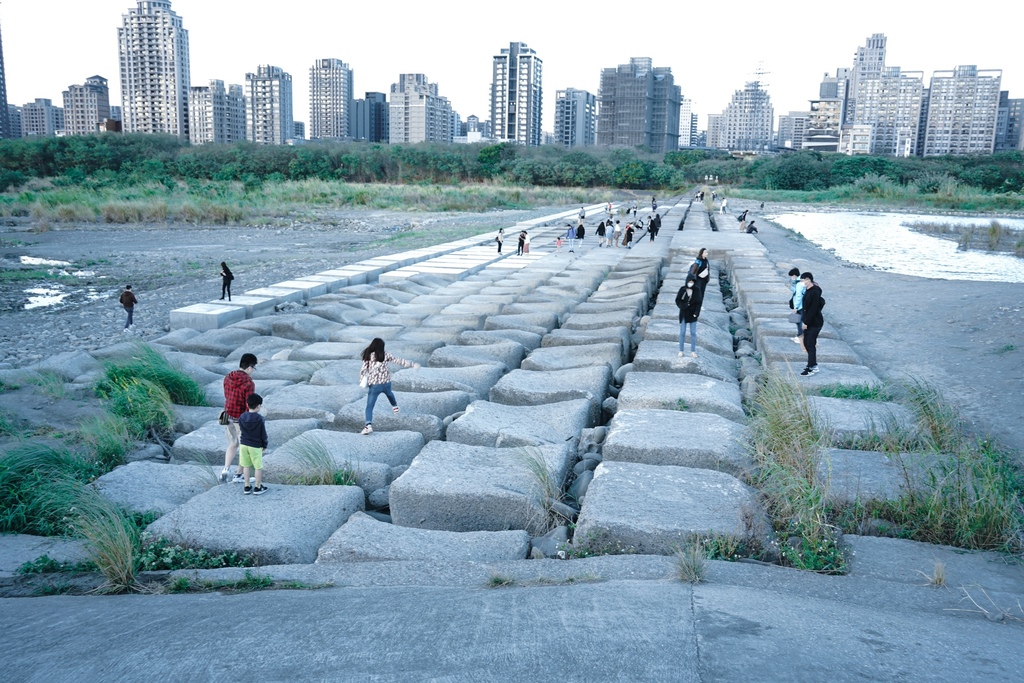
(279, 294)
(610, 335)
(852, 476)
(672, 437)
(493, 424)
(254, 306)
(655, 510)
(206, 316)
(285, 525)
(508, 353)
(829, 351)
(563, 357)
(657, 356)
(457, 487)
(145, 486)
(685, 392)
(526, 388)
(208, 443)
(709, 336)
(847, 420)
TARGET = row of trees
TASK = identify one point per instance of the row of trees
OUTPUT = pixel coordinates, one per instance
(132, 159)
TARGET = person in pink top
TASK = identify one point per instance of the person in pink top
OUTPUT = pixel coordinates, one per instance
(375, 375)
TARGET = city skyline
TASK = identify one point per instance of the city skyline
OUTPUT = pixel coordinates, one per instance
(710, 61)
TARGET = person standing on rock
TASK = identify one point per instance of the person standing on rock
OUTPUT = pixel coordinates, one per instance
(600, 234)
(627, 239)
(812, 320)
(253, 438)
(618, 232)
(522, 242)
(375, 375)
(701, 270)
(581, 232)
(526, 242)
(500, 238)
(689, 300)
(225, 280)
(796, 302)
(238, 386)
(128, 300)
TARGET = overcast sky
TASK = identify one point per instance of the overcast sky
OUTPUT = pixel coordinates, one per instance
(712, 48)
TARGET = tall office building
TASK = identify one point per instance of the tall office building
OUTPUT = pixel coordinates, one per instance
(516, 95)
(417, 112)
(1009, 122)
(216, 114)
(687, 124)
(868, 62)
(155, 76)
(748, 120)
(639, 105)
(793, 130)
(713, 135)
(370, 118)
(890, 102)
(41, 119)
(268, 106)
(963, 105)
(824, 123)
(86, 106)
(13, 121)
(330, 100)
(6, 128)
(575, 118)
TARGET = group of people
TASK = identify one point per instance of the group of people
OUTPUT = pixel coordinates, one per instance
(806, 303)
(127, 299)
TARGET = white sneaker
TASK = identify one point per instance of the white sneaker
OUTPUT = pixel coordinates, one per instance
(239, 479)
(795, 339)
(367, 430)
(224, 476)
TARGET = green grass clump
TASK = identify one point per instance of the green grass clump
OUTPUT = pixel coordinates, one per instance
(145, 405)
(146, 363)
(251, 582)
(39, 487)
(110, 438)
(8, 425)
(112, 540)
(47, 565)
(50, 384)
(691, 563)
(863, 392)
(161, 554)
(318, 467)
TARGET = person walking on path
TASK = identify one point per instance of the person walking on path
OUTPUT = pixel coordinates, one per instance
(128, 300)
(238, 386)
(522, 242)
(375, 375)
(796, 286)
(724, 207)
(701, 270)
(526, 242)
(581, 232)
(583, 214)
(689, 300)
(812, 320)
(500, 238)
(617, 232)
(253, 437)
(627, 239)
(225, 280)
(600, 234)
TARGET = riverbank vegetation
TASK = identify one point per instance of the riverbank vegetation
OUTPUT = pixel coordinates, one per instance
(152, 178)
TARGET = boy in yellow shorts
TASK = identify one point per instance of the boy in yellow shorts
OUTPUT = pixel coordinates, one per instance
(253, 440)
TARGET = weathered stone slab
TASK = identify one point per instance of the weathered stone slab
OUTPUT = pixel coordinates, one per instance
(457, 487)
(778, 327)
(527, 388)
(286, 525)
(393, 449)
(529, 340)
(455, 322)
(351, 418)
(538, 323)
(263, 347)
(473, 379)
(563, 357)
(68, 365)
(685, 392)
(657, 356)
(217, 342)
(190, 418)
(655, 510)
(860, 476)
(829, 351)
(308, 400)
(293, 371)
(847, 420)
(155, 487)
(709, 336)
(758, 310)
(667, 309)
(508, 353)
(558, 308)
(327, 351)
(340, 313)
(207, 444)
(338, 372)
(365, 539)
(672, 437)
(206, 316)
(600, 321)
(17, 549)
(364, 334)
(493, 424)
(610, 335)
(842, 374)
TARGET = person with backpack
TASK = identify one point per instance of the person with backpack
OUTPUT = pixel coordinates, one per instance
(812, 320)
(689, 300)
(701, 270)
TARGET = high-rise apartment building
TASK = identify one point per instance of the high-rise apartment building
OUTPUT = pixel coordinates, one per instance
(86, 106)
(687, 124)
(14, 121)
(516, 94)
(6, 128)
(575, 118)
(41, 119)
(370, 118)
(268, 106)
(824, 123)
(155, 76)
(216, 114)
(793, 129)
(1009, 122)
(890, 102)
(713, 135)
(299, 130)
(330, 100)
(639, 105)
(748, 120)
(963, 105)
(868, 62)
(417, 112)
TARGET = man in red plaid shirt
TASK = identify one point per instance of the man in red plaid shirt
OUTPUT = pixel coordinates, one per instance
(238, 385)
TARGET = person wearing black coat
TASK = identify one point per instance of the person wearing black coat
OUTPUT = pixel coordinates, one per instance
(812, 320)
(689, 300)
(701, 270)
(225, 280)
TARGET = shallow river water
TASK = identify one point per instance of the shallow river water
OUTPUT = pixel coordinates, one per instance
(882, 241)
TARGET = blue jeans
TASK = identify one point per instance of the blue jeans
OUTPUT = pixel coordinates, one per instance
(371, 398)
(693, 336)
(130, 310)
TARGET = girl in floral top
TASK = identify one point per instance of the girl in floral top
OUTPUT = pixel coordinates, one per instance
(378, 379)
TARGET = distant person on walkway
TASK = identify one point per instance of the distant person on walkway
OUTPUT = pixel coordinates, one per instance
(634, 209)
(762, 206)
(225, 280)
(600, 234)
(570, 237)
(128, 300)
(652, 231)
(724, 207)
(253, 441)
(558, 244)
(700, 269)
(689, 300)
(500, 238)
(796, 286)
(628, 237)
(522, 242)
(654, 203)
(751, 228)
(526, 242)
(238, 386)
(377, 378)
(617, 232)
(609, 211)
(581, 232)
(583, 214)
(812, 320)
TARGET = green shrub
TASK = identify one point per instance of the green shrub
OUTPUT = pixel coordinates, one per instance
(161, 554)
(47, 565)
(144, 362)
(318, 465)
(145, 405)
(39, 486)
(111, 540)
(110, 438)
(863, 392)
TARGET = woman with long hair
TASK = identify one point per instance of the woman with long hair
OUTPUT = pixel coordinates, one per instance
(689, 300)
(225, 280)
(375, 375)
(701, 270)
